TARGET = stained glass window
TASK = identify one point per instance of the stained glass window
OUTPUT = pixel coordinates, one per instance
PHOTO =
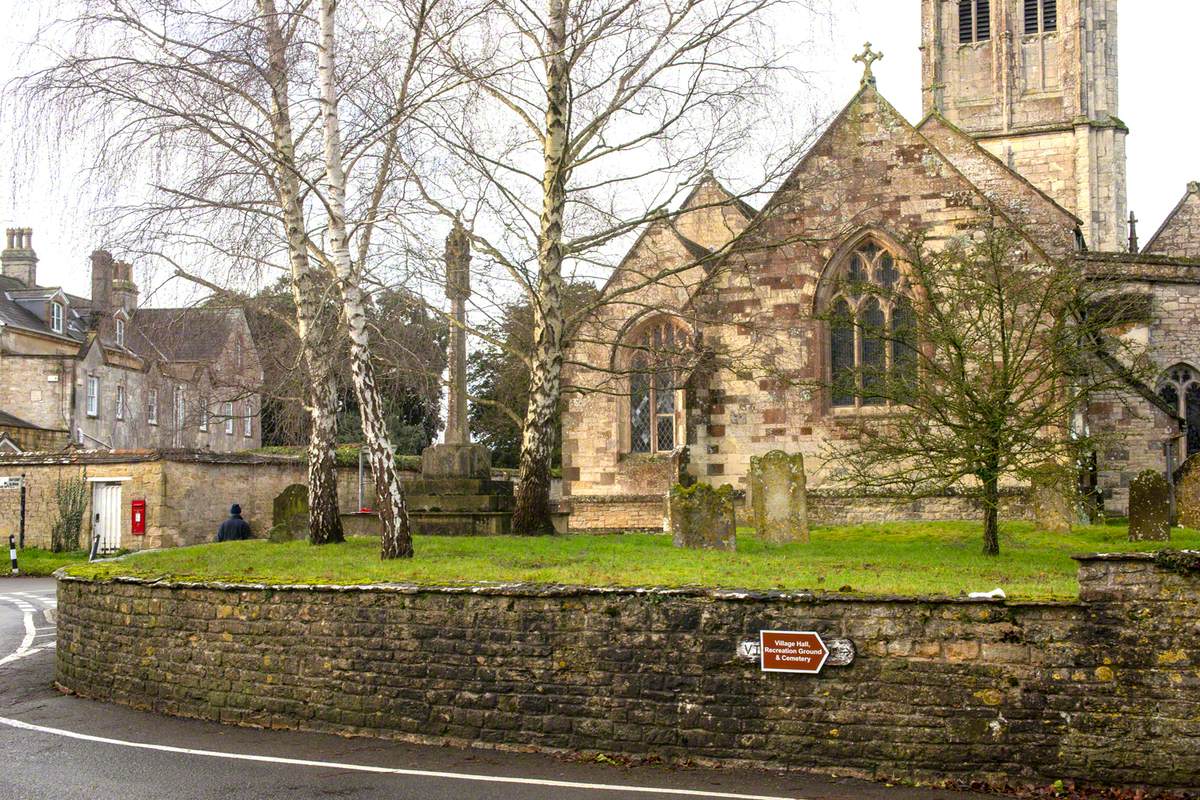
(841, 338)
(904, 345)
(874, 359)
(872, 331)
(1180, 387)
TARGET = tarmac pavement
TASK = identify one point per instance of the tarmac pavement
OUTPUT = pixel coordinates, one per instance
(59, 747)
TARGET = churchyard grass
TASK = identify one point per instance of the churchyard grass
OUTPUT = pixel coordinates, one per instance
(35, 561)
(903, 558)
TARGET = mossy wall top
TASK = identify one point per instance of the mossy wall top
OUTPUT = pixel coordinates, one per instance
(1102, 690)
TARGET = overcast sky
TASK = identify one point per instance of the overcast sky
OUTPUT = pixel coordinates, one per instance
(1158, 72)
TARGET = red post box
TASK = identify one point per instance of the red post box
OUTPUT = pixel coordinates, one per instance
(138, 518)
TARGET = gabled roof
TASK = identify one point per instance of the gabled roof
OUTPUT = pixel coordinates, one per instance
(1030, 208)
(897, 121)
(1179, 234)
(182, 334)
(9, 421)
(25, 309)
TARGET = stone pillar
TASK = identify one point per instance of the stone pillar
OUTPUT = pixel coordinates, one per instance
(1149, 507)
(702, 517)
(779, 497)
(457, 457)
(458, 289)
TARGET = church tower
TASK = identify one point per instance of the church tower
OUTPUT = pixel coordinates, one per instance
(1035, 82)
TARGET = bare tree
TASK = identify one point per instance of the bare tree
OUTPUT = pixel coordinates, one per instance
(588, 120)
(196, 101)
(993, 352)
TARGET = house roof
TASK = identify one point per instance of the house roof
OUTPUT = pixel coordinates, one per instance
(182, 334)
(25, 309)
(1179, 234)
(9, 421)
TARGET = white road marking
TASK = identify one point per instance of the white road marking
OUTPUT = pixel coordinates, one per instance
(419, 773)
(23, 649)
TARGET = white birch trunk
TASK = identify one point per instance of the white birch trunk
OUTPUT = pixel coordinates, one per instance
(397, 538)
(531, 514)
(324, 519)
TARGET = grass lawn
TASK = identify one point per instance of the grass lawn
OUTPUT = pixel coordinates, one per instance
(899, 558)
(35, 561)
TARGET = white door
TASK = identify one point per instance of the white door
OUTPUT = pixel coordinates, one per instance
(106, 515)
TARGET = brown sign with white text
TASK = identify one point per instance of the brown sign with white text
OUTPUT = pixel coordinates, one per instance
(792, 651)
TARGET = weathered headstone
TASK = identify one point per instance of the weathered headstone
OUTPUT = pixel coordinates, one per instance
(779, 497)
(1149, 507)
(1054, 499)
(289, 514)
(702, 517)
(1187, 493)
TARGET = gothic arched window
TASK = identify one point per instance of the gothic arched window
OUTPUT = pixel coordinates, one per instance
(654, 373)
(1180, 387)
(872, 330)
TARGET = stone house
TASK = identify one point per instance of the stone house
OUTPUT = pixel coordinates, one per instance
(102, 373)
(1020, 130)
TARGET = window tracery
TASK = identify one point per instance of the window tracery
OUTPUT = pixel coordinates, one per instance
(872, 329)
(654, 385)
(1180, 386)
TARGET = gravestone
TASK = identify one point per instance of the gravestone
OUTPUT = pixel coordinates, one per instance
(702, 517)
(1187, 493)
(1053, 497)
(779, 497)
(289, 514)
(1149, 508)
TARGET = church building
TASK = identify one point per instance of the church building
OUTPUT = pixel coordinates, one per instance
(1021, 127)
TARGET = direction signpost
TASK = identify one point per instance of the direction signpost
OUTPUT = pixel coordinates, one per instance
(792, 651)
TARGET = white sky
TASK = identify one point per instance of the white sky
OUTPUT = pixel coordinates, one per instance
(1158, 71)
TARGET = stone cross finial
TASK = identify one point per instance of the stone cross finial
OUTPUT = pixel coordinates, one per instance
(868, 57)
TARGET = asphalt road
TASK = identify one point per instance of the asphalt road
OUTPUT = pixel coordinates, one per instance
(61, 748)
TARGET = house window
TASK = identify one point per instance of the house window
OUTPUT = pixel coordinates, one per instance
(1180, 387)
(974, 21)
(654, 369)
(204, 413)
(152, 407)
(93, 396)
(238, 357)
(1041, 16)
(248, 420)
(872, 331)
(228, 418)
(120, 332)
(120, 401)
(56, 317)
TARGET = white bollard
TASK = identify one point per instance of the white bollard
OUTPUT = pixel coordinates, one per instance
(12, 553)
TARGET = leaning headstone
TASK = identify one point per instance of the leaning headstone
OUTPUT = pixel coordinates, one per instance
(779, 497)
(1149, 508)
(1054, 499)
(289, 514)
(702, 517)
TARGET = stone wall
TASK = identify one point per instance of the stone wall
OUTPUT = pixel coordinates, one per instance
(187, 493)
(835, 508)
(1103, 690)
(600, 514)
(619, 514)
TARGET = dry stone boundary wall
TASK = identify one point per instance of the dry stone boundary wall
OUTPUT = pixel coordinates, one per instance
(1104, 690)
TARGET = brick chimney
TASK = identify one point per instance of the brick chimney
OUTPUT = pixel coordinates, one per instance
(18, 259)
(124, 290)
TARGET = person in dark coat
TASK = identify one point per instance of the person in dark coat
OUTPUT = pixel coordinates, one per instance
(235, 527)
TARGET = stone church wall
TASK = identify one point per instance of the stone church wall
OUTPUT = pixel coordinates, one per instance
(1101, 690)
(1131, 430)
